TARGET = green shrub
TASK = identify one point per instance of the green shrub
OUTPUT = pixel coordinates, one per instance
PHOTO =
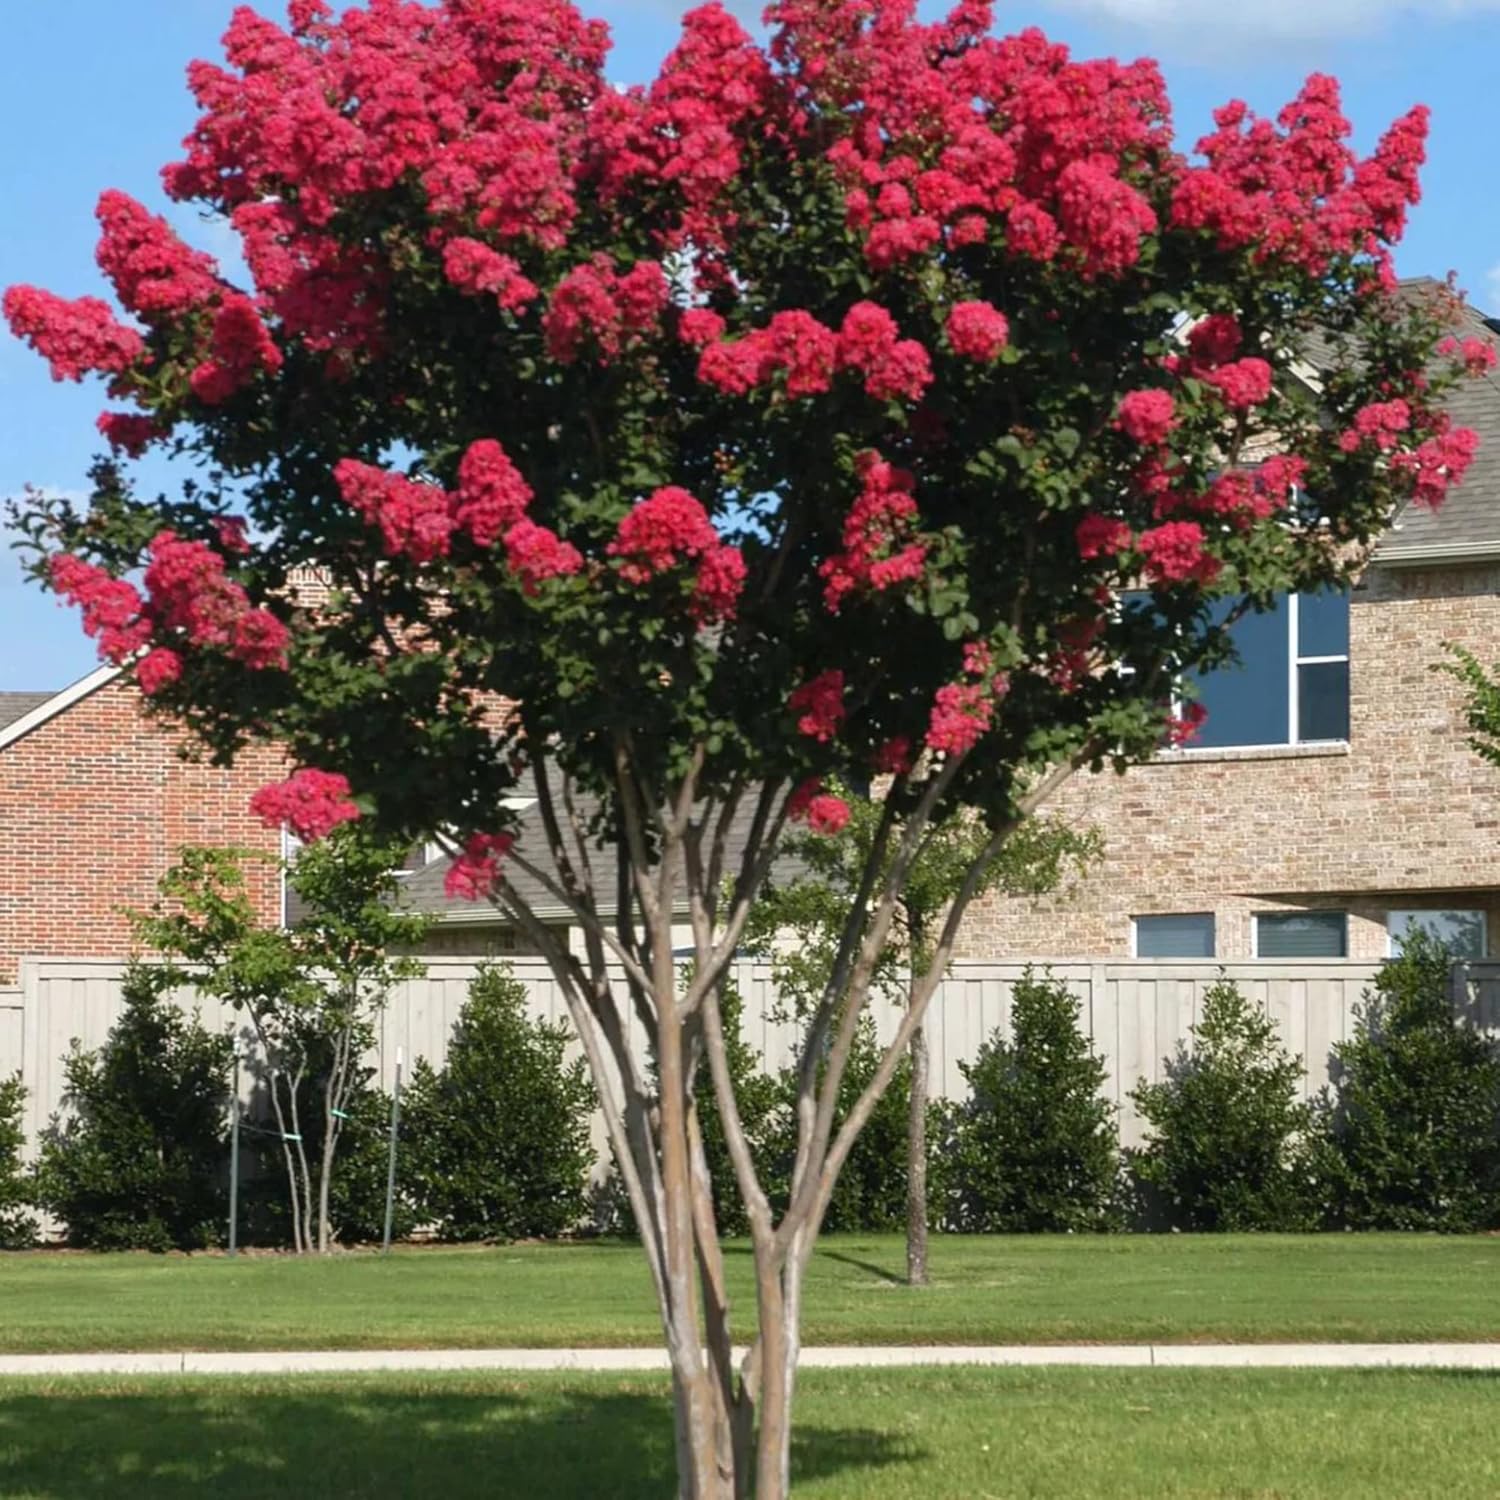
(1034, 1147)
(357, 1196)
(1229, 1133)
(141, 1161)
(17, 1227)
(1410, 1128)
(498, 1141)
(870, 1195)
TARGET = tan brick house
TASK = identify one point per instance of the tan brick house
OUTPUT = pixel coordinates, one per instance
(95, 801)
(1332, 794)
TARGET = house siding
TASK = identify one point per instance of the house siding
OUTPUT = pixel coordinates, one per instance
(94, 805)
(1405, 816)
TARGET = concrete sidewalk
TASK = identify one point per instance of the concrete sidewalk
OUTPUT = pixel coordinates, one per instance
(1138, 1356)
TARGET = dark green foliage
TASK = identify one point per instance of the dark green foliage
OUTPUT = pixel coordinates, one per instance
(870, 1195)
(1411, 1125)
(141, 1161)
(1228, 1149)
(17, 1227)
(357, 1195)
(1034, 1147)
(497, 1144)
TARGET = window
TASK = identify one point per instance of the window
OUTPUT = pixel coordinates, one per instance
(1462, 931)
(1189, 935)
(1302, 934)
(1291, 683)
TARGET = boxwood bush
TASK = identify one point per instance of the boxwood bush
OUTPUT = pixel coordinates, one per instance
(17, 1226)
(1228, 1148)
(1410, 1127)
(140, 1160)
(1034, 1147)
(496, 1144)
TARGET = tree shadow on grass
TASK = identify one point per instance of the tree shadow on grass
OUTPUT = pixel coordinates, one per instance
(881, 1273)
(446, 1437)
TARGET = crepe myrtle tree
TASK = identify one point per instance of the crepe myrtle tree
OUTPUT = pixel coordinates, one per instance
(806, 412)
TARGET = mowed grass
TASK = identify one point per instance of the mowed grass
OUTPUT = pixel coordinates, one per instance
(908, 1435)
(1360, 1288)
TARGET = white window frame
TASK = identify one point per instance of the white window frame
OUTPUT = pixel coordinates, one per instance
(1146, 916)
(1293, 684)
(1321, 911)
(1437, 911)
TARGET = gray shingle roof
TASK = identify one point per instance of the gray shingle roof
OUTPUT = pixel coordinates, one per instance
(424, 889)
(15, 706)
(1470, 516)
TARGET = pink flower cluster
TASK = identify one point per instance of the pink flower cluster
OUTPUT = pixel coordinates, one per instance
(311, 803)
(474, 267)
(819, 703)
(1476, 355)
(1438, 464)
(1175, 553)
(112, 607)
(419, 521)
(1212, 345)
(687, 132)
(1103, 217)
(1381, 423)
(188, 599)
(1102, 536)
(962, 711)
(189, 595)
(475, 873)
(894, 369)
(880, 548)
(977, 330)
(1297, 192)
(76, 338)
(1182, 728)
(893, 757)
(128, 432)
(823, 813)
(595, 307)
(153, 272)
(492, 495)
(1147, 417)
(240, 349)
(671, 527)
(536, 554)
(794, 343)
(415, 520)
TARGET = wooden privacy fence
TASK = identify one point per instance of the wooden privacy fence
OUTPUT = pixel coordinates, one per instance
(1135, 1011)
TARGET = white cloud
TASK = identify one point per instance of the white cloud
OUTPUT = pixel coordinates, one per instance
(1209, 26)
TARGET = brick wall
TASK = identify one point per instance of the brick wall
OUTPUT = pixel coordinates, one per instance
(94, 805)
(1405, 816)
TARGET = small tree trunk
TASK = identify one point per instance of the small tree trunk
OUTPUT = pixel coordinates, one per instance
(779, 1295)
(702, 1470)
(916, 1162)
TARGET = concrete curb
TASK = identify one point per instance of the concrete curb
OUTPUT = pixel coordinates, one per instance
(827, 1357)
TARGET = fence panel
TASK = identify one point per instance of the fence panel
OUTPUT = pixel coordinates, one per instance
(1135, 1011)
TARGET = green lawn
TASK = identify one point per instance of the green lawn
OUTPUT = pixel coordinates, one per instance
(927, 1435)
(1002, 1290)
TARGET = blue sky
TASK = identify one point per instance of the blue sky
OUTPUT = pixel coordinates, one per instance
(92, 96)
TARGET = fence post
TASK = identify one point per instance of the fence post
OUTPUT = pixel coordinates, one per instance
(390, 1174)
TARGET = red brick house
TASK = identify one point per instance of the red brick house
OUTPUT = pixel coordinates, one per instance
(95, 801)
